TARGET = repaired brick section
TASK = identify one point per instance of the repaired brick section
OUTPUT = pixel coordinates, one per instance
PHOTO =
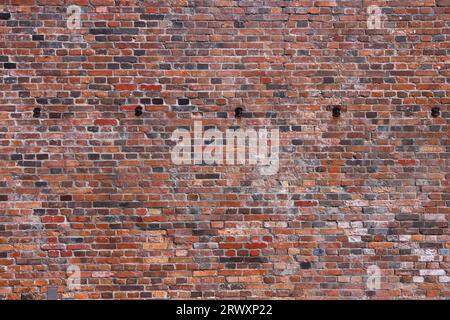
(90, 184)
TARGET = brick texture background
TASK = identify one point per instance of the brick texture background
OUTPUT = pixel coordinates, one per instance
(90, 184)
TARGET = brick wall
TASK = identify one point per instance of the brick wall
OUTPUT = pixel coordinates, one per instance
(87, 184)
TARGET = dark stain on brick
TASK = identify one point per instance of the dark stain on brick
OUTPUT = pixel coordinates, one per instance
(65, 198)
(5, 15)
(305, 265)
(9, 65)
(152, 16)
(37, 37)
